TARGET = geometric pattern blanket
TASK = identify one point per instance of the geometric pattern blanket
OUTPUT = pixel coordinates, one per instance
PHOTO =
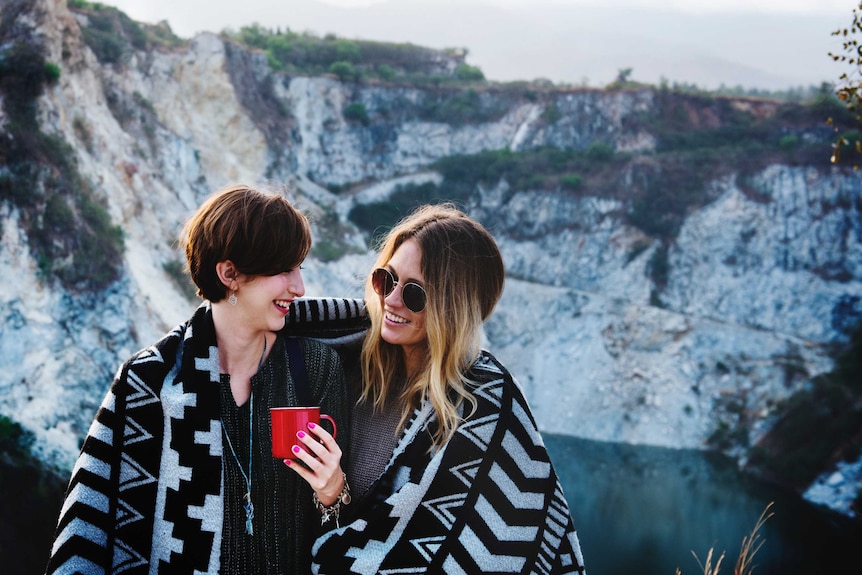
(489, 501)
(146, 493)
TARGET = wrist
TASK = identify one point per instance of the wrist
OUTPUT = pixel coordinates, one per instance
(332, 511)
(328, 500)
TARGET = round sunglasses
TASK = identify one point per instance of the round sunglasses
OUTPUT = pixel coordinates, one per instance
(412, 294)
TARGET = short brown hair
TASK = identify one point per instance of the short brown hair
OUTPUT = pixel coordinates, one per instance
(260, 232)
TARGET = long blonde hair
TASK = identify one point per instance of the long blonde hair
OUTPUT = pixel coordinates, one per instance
(464, 275)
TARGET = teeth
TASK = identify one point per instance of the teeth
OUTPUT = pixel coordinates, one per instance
(282, 303)
(395, 318)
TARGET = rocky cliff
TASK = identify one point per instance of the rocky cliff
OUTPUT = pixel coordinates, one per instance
(640, 307)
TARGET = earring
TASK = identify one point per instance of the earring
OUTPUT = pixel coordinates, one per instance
(232, 299)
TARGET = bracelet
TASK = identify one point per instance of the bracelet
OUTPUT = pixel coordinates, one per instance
(329, 512)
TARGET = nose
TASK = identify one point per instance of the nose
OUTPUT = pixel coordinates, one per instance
(295, 284)
(392, 299)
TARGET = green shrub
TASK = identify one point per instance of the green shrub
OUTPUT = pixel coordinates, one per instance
(458, 107)
(541, 168)
(112, 35)
(534, 182)
(279, 48)
(667, 191)
(23, 75)
(386, 72)
(789, 142)
(70, 236)
(58, 216)
(356, 112)
(310, 55)
(551, 114)
(345, 71)
(176, 270)
(600, 152)
(104, 35)
(377, 217)
(469, 73)
(818, 426)
(15, 441)
(327, 250)
(347, 50)
(273, 62)
(52, 72)
(571, 181)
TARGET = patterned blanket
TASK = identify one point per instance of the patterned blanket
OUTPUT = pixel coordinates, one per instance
(487, 502)
(146, 494)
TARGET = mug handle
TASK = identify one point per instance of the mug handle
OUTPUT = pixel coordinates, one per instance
(332, 421)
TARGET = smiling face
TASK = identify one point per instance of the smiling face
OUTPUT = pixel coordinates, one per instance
(262, 301)
(401, 326)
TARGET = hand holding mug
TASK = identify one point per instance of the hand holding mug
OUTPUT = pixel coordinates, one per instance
(312, 445)
(288, 422)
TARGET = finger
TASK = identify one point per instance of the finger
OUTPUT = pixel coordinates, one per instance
(324, 447)
(303, 451)
(300, 470)
(321, 434)
(311, 443)
(319, 476)
(308, 475)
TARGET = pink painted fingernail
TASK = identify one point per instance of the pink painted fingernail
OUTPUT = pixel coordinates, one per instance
(296, 449)
(300, 434)
(311, 425)
(287, 461)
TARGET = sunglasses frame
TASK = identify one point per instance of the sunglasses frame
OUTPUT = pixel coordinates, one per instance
(406, 289)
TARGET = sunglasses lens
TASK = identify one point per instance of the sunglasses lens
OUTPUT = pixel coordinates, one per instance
(414, 297)
(412, 294)
(382, 282)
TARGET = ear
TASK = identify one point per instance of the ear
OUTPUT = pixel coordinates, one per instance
(227, 273)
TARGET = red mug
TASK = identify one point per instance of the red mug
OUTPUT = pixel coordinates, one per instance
(287, 421)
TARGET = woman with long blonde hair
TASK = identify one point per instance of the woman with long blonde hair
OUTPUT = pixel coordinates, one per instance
(447, 468)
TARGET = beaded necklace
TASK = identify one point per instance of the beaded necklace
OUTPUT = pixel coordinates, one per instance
(247, 504)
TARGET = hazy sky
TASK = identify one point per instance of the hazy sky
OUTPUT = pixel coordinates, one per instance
(772, 44)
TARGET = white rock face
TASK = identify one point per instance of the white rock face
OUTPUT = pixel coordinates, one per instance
(798, 251)
(602, 368)
(755, 283)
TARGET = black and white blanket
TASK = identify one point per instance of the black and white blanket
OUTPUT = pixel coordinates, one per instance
(147, 492)
(489, 501)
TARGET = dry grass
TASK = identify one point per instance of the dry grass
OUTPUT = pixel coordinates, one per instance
(750, 546)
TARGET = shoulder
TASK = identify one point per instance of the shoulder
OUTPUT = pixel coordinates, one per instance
(498, 393)
(490, 376)
(326, 317)
(487, 367)
(168, 351)
(162, 352)
(316, 353)
(316, 347)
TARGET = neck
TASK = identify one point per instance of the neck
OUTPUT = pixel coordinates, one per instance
(414, 359)
(241, 360)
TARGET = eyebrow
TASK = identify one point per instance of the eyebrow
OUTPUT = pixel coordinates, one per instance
(408, 280)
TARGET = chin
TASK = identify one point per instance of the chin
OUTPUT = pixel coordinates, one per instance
(388, 338)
